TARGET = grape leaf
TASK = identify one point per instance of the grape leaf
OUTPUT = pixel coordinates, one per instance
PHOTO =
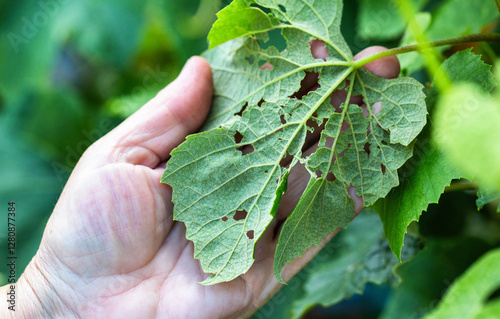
(228, 181)
(468, 296)
(361, 257)
(426, 175)
(429, 173)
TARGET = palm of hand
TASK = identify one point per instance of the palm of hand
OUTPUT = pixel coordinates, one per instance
(126, 255)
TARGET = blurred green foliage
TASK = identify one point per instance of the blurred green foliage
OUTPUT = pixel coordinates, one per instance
(71, 71)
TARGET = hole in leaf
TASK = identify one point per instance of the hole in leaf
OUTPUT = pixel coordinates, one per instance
(382, 166)
(366, 148)
(377, 107)
(364, 110)
(329, 141)
(250, 234)
(243, 108)
(282, 8)
(341, 154)
(313, 134)
(224, 219)
(282, 119)
(358, 200)
(250, 59)
(337, 99)
(263, 65)
(319, 49)
(276, 39)
(285, 161)
(240, 215)
(266, 171)
(318, 173)
(261, 102)
(238, 137)
(345, 127)
(308, 84)
(330, 177)
(246, 149)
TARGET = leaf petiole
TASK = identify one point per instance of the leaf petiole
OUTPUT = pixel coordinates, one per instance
(488, 37)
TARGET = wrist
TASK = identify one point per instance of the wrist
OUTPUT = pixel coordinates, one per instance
(33, 296)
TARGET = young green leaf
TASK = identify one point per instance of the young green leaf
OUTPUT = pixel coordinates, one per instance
(467, 297)
(238, 20)
(228, 181)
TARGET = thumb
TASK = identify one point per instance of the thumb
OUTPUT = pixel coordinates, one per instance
(149, 135)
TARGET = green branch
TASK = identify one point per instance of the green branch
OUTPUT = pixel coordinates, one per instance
(487, 37)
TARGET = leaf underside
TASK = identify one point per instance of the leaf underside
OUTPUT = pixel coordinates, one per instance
(228, 180)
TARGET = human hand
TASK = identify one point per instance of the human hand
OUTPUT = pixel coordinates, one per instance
(111, 248)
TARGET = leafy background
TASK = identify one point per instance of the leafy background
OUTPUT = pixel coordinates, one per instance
(70, 72)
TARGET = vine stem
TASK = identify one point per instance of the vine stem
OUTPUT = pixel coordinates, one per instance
(486, 37)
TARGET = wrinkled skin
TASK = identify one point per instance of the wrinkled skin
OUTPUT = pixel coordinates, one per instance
(111, 248)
